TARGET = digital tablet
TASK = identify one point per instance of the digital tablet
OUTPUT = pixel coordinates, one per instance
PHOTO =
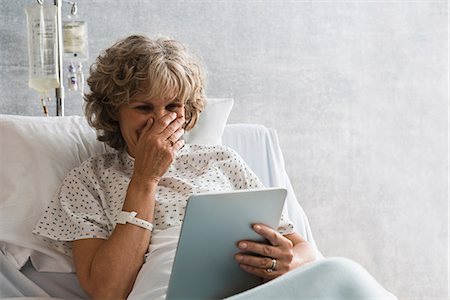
(204, 265)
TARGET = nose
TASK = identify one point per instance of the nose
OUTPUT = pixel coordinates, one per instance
(158, 113)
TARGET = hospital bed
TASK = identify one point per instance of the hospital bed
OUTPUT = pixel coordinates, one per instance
(37, 152)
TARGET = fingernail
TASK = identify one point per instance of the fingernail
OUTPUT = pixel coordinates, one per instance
(257, 227)
(239, 257)
(243, 245)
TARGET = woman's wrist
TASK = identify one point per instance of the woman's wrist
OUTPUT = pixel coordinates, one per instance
(145, 181)
(141, 196)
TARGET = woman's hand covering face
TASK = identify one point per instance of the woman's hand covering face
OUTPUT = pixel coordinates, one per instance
(156, 146)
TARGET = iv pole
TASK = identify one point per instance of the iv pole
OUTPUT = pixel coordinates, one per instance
(60, 89)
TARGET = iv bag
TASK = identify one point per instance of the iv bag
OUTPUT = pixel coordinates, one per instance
(75, 39)
(42, 48)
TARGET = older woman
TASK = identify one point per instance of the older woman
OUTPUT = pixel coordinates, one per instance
(144, 94)
(116, 209)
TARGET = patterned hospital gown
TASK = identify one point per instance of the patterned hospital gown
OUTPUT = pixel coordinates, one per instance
(92, 195)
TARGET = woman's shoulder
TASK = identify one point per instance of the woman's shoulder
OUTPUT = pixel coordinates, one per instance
(205, 153)
(106, 159)
(98, 163)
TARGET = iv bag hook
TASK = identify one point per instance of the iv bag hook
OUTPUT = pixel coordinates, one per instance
(73, 10)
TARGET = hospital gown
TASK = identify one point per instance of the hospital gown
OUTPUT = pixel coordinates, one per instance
(92, 195)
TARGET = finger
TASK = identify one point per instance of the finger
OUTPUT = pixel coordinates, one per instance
(178, 145)
(273, 236)
(262, 249)
(176, 135)
(162, 123)
(147, 126)
(264, 273)
(173, 127)
(254, 261)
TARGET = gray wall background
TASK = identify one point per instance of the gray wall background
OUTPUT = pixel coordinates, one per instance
(357, 90)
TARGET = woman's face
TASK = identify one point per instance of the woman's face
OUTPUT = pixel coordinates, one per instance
(134, 116)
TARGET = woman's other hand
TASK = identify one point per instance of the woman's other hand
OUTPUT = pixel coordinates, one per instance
(280, 255)
(157, 144)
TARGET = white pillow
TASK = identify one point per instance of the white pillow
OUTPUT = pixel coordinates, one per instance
(36, 153)
(210, 125)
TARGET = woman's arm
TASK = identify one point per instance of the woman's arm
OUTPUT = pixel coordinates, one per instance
(289, 252)
(108, 268)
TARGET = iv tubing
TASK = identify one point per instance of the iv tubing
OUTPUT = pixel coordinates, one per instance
(44, 107)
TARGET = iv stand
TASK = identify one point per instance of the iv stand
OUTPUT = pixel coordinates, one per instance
(60, 89)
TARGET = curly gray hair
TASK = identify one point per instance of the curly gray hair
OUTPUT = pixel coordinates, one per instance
(158, 68)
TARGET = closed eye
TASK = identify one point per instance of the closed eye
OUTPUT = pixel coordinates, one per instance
(173, 106)
(144, 108)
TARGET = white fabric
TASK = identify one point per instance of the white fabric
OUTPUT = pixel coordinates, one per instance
(153, 278)
(334, 278)
(35, 155)
(210, 125)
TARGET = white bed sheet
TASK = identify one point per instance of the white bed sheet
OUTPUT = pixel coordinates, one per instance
(257, 145)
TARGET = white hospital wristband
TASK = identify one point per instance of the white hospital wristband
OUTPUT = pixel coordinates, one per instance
(130, 217)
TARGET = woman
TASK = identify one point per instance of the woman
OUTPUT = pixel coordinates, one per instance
(144, 94)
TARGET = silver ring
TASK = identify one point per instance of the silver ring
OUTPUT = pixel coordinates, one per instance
(274, 264)
(270, 270)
